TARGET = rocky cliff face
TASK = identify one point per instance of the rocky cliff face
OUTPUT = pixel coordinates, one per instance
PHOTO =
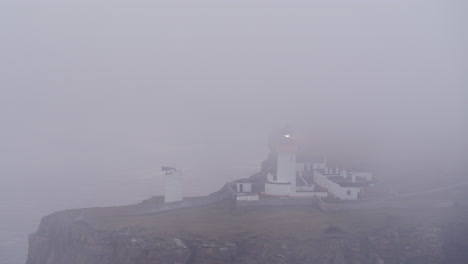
(65, 238)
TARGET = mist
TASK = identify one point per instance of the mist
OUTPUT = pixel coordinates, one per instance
(95, 91)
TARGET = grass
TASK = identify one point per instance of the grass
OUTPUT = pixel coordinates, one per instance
(301, 223)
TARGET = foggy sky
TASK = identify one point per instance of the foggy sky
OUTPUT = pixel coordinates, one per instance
(100, 88)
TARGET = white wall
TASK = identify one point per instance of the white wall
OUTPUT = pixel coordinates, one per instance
(306, 188)
(309, 194)
(248, 198)
(278, 189)
(345, 193)
(350, 193)
(246, 187)
(286, 166)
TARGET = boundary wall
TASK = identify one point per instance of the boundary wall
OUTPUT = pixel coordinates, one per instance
(277, 202)
(224, 194)
(228, 193)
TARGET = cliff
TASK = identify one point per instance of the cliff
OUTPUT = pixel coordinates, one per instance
(218, 233)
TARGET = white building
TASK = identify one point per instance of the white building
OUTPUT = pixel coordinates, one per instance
(309, 179)
(337, 186)
(243, 187)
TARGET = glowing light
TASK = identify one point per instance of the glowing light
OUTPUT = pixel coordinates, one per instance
(287, 136)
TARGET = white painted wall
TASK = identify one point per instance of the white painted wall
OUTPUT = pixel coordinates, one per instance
(248, 198)
(310, 194)
(286, 167)
(305, 188)
(292, 174)
(345, 193)
(285, 170)
(277, 189)
(246, 187)
(173, 187)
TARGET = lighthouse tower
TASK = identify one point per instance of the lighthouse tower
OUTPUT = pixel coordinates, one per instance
(286, 161)
(172, 185)
(283, 182)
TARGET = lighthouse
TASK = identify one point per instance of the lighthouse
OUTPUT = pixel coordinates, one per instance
(283, 182)
(172, 185)
(286, 161)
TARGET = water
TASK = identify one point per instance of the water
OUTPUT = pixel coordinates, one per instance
(24, 203)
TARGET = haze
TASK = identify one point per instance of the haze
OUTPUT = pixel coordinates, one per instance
(96, 90)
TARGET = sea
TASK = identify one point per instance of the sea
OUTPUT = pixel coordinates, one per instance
(23, 202)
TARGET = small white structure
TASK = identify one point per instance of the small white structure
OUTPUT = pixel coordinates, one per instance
(172, 185)
(243, 187)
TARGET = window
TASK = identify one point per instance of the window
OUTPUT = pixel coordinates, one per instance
(348, 192)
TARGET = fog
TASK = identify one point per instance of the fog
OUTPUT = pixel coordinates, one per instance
(93, 91)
